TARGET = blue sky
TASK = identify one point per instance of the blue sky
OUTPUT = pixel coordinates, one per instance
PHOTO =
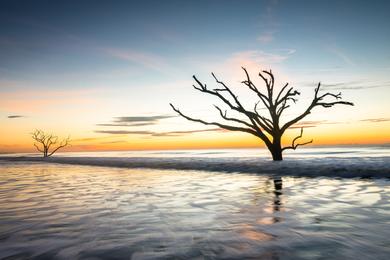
(134, 57)
(50, 37)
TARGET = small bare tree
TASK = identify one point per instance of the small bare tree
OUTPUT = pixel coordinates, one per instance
(267, 128)
(46, 142)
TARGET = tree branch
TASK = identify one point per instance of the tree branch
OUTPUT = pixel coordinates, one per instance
(36, 146)
(294, 145)
(63, 144)
(252, 87)
(228, 127)
(316, 102)
(265, 121)
(238, 107)
(224, 116)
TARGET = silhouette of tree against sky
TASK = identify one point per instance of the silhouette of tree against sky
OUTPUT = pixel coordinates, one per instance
(46, 142)
(266, 127)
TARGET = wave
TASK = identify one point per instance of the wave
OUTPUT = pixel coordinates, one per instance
(347, 167)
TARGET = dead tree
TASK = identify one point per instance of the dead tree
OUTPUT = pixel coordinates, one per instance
(48, 144)
(266, 127)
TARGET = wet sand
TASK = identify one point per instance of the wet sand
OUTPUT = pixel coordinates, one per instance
(82, 212)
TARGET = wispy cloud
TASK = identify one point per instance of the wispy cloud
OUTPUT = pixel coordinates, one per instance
(178, 133)
(92, 139)
(314, 123)
(253, 61)
(160, 134)
(15, 116)
(125, 124)
(136, 120)
(351, 85)
(266, 37)
(131, 119)
(376, 120)
(341, 54)
(298, 126)
(268, 22)
(261, 57)
(145, 59)
(123, 132)
(115, 142)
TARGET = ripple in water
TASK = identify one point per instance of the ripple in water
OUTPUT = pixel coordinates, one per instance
(70, 212)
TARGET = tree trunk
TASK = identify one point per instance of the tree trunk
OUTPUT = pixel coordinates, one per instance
(276, 150)
(277, 155)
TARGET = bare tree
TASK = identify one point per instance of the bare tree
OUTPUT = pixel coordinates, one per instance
(268, 128)
(48, 144)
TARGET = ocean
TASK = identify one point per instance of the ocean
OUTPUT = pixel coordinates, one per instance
(347, 162)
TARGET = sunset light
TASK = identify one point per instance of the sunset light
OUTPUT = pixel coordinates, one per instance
(195, 129)
(77, 80)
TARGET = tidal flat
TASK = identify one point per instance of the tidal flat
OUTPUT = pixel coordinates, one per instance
(56, 211)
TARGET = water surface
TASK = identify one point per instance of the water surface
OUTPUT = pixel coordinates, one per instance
(347, 162)
(83, 212)
(301, 153)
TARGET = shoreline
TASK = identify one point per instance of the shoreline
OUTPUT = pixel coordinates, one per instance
(342, 167)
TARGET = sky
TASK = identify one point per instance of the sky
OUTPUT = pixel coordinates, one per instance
(104, 72)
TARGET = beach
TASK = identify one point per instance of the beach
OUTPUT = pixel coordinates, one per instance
(72, 211)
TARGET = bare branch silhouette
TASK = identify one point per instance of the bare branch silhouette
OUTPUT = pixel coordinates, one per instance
(43, 142)
(266, 127)
(294, 145)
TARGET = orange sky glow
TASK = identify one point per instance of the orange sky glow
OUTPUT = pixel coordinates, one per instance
(107, 83)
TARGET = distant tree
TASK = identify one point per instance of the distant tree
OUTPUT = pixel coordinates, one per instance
(267, 128)
(48, 144)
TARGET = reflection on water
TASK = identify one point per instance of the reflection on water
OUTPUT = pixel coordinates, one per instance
(70, 212)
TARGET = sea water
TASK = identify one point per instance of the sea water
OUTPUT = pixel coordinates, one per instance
(57, 211)
(346, 162)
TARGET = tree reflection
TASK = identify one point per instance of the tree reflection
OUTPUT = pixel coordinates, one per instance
(278, 186)
(269, 195)
(277, 202)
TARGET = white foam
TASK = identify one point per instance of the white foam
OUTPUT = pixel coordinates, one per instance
(346, 167)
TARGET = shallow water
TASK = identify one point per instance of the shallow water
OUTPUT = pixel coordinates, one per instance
(69, 212)
(301, 153)
(346, 162)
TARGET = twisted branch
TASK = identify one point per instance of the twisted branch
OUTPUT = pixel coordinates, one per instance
(317, 101)
(227, 127)
(294, 145)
